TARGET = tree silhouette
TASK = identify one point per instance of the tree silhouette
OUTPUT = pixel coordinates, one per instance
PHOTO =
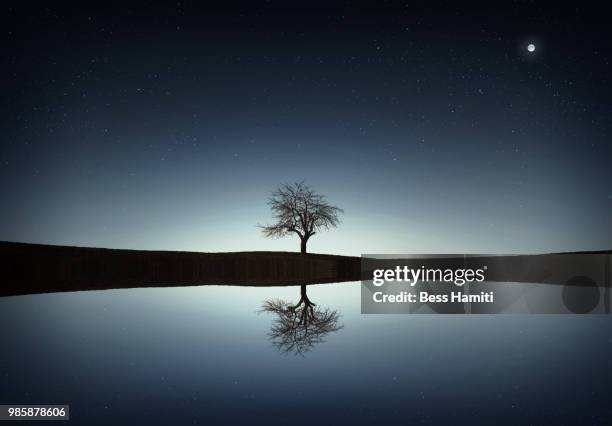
(297, 329)
(299, 209)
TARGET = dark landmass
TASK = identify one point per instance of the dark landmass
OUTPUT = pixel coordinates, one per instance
(37, 268)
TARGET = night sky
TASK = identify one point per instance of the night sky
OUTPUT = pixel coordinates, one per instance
(433, 127)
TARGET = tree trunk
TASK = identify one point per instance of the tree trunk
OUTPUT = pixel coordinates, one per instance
(303, 245)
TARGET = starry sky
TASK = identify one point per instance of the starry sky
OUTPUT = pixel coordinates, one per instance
(431, 124)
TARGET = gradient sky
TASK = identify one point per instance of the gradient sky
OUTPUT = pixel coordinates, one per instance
(166, 127)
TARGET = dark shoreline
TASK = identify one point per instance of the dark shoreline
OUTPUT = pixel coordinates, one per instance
(37, 268)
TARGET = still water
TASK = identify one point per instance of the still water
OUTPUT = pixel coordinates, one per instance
(210, 355)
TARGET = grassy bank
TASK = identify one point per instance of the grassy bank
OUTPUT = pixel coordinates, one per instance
(37, 268)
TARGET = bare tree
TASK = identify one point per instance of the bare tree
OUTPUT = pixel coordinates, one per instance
(297, 329)
(299, 209)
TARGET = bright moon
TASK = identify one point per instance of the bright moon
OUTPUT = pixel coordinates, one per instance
(531, 47)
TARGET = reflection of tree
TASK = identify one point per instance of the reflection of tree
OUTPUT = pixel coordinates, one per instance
(296, 329)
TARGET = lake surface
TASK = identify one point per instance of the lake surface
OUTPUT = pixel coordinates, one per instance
(204, 355)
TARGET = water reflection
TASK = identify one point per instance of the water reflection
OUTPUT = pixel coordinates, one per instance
(298, 328)
(200, 355)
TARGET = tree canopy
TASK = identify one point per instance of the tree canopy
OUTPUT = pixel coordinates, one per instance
(299, 209)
